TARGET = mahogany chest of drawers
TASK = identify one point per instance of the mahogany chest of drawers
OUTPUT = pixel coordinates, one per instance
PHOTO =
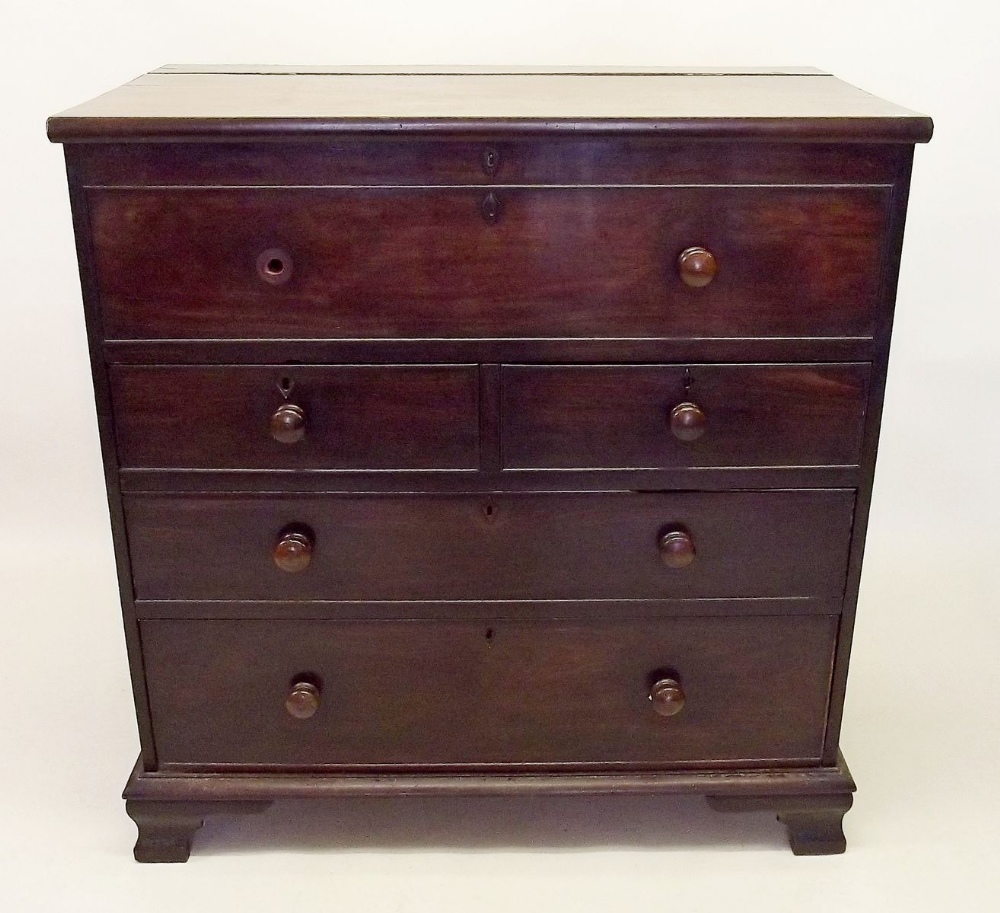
(488, 432)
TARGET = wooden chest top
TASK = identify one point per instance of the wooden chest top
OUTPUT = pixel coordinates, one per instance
(196, 101)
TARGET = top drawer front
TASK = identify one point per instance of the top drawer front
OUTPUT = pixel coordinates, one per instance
(423, 161)
(418, 263)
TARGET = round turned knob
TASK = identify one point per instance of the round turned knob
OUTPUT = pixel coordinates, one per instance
(288, 424)
(303, 700)
(676, 548)
(687, 422)
(696, 267)
(293, 551)
(667, 697)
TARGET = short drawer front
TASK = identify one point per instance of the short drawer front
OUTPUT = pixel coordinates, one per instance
(354, 417)
(450, 263)
(609, 417)
(464, 694)
(493, 546)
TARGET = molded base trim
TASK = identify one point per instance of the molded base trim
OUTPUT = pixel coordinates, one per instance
(168, 808)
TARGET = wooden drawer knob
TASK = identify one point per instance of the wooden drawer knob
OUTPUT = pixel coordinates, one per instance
(274, 266)
(687, 422)
(676, 548)
(667, 697)
(293, 551)
(303, 700)
(696, 267)
(288, 424)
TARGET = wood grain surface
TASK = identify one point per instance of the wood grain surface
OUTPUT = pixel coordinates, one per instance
(185, 104)
(388, 369)
(449, 160)
(490, 546)
(604, 416)
(456, 695)
(424, 263)
(357, 417)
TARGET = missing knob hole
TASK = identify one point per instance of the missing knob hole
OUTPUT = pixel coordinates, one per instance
(274, 266)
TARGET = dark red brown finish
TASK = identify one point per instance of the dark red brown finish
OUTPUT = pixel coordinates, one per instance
(576, 610)
(869, 453)
(292, 553)
(696, 267)
(688, 422)
(667, 697)
(607, 416)
(491, 161)
(368, 161)
(503, 546)
(167, 828)
(676, 548)
(778, 783)
(814, 822)
(490, 208)
(552, 350)
(420, 262)
(525, 271)
(303, 700)
(810, 801)
(274, 266)
(360, 417)
(546, 694)
(288, 423)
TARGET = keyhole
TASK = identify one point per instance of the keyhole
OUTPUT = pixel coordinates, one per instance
(489, 635)
(491, 161)
(490, 208)
(285, 387)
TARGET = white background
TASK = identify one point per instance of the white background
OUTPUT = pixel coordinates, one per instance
(921, 731)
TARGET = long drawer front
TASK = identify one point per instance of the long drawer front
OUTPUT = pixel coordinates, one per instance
(461, 694)
(589, 545)
(338, 263)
